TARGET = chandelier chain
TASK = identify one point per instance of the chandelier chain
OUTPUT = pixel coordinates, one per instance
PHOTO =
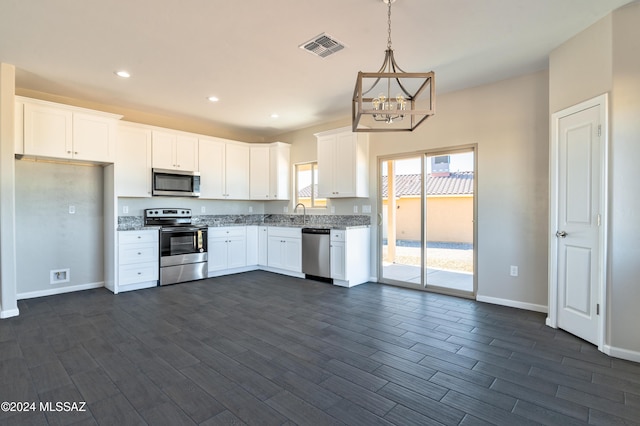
(389, 25)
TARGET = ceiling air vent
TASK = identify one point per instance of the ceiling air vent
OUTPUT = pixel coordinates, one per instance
(322, 45)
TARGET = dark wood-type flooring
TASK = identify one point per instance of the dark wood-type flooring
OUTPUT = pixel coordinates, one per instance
(260, 348)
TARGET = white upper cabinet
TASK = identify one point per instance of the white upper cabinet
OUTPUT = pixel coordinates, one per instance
(60, 131)
(280, 171)
(343, 164)
(174, 151)
(94, 138)
(212, 168)
(237, 171)
(133, 161)
(224, 169)
(48, 131)
(270, 174)
(259, 176)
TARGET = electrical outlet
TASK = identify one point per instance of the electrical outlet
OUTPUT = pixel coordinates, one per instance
(285, 209)
(203, 209)
(355, 209)
(250, 209)
(514, 271)
(333, 209)
(72, 209)
(366, 208)
(125, 209)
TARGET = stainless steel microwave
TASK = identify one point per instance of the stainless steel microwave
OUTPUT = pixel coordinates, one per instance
(176, 183)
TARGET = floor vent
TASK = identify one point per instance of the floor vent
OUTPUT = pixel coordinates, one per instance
(322, 45)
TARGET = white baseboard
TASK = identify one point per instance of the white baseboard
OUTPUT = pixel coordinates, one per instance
(622, 353)
(9, 313)
(512, 303)
(281, 271)
(224, 272)
(59, 290)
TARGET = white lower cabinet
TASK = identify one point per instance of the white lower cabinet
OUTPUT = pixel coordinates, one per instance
(138, 265)
(337, 255)
(263, 245)
(252, 245)
(227, 248)
(234, 249)
(284, 248)
(349, 253)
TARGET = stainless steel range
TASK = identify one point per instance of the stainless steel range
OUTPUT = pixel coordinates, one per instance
(183, 245)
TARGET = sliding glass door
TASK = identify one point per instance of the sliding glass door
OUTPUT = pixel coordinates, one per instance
(402, 230)
(426, 225)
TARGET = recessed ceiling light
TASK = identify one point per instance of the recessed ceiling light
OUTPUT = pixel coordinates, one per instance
(213, 98)
(123, 74)
(274, 115)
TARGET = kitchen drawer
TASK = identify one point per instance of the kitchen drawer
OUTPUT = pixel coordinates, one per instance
(132, 237)
(276, 231)
(136, 253)
(138, 273)
(338, 235)
(228, 231)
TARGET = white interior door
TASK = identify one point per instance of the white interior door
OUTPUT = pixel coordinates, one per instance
(579, 217)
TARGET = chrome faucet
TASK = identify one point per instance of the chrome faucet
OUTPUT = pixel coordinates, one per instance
(304, 212)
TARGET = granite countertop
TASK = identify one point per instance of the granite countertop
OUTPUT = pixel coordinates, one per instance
(137, 227)
(344, 222)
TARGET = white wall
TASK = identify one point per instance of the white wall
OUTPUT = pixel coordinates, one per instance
(8, 303)
(47, 236)
(580, 68)
(624, 244)
(604, 59)
(508, 121)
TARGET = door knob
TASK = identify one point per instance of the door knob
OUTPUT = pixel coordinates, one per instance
(561, 234)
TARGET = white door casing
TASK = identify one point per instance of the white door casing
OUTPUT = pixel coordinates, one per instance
(577, 222)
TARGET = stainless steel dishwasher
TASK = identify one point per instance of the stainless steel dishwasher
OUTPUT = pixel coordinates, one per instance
(316, 257)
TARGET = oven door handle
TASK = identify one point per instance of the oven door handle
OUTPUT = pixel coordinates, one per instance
(181, 229)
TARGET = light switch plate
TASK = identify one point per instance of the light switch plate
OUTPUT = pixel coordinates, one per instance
(72, 209)
(250, 209)
(285, 209)
(366, 208)
(333, 209)
(355, 209)
(125, 209)
(203, 209)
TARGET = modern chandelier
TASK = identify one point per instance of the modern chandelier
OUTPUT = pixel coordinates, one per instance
(402, 100)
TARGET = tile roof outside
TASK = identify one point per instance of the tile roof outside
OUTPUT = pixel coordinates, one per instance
(456, 183)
